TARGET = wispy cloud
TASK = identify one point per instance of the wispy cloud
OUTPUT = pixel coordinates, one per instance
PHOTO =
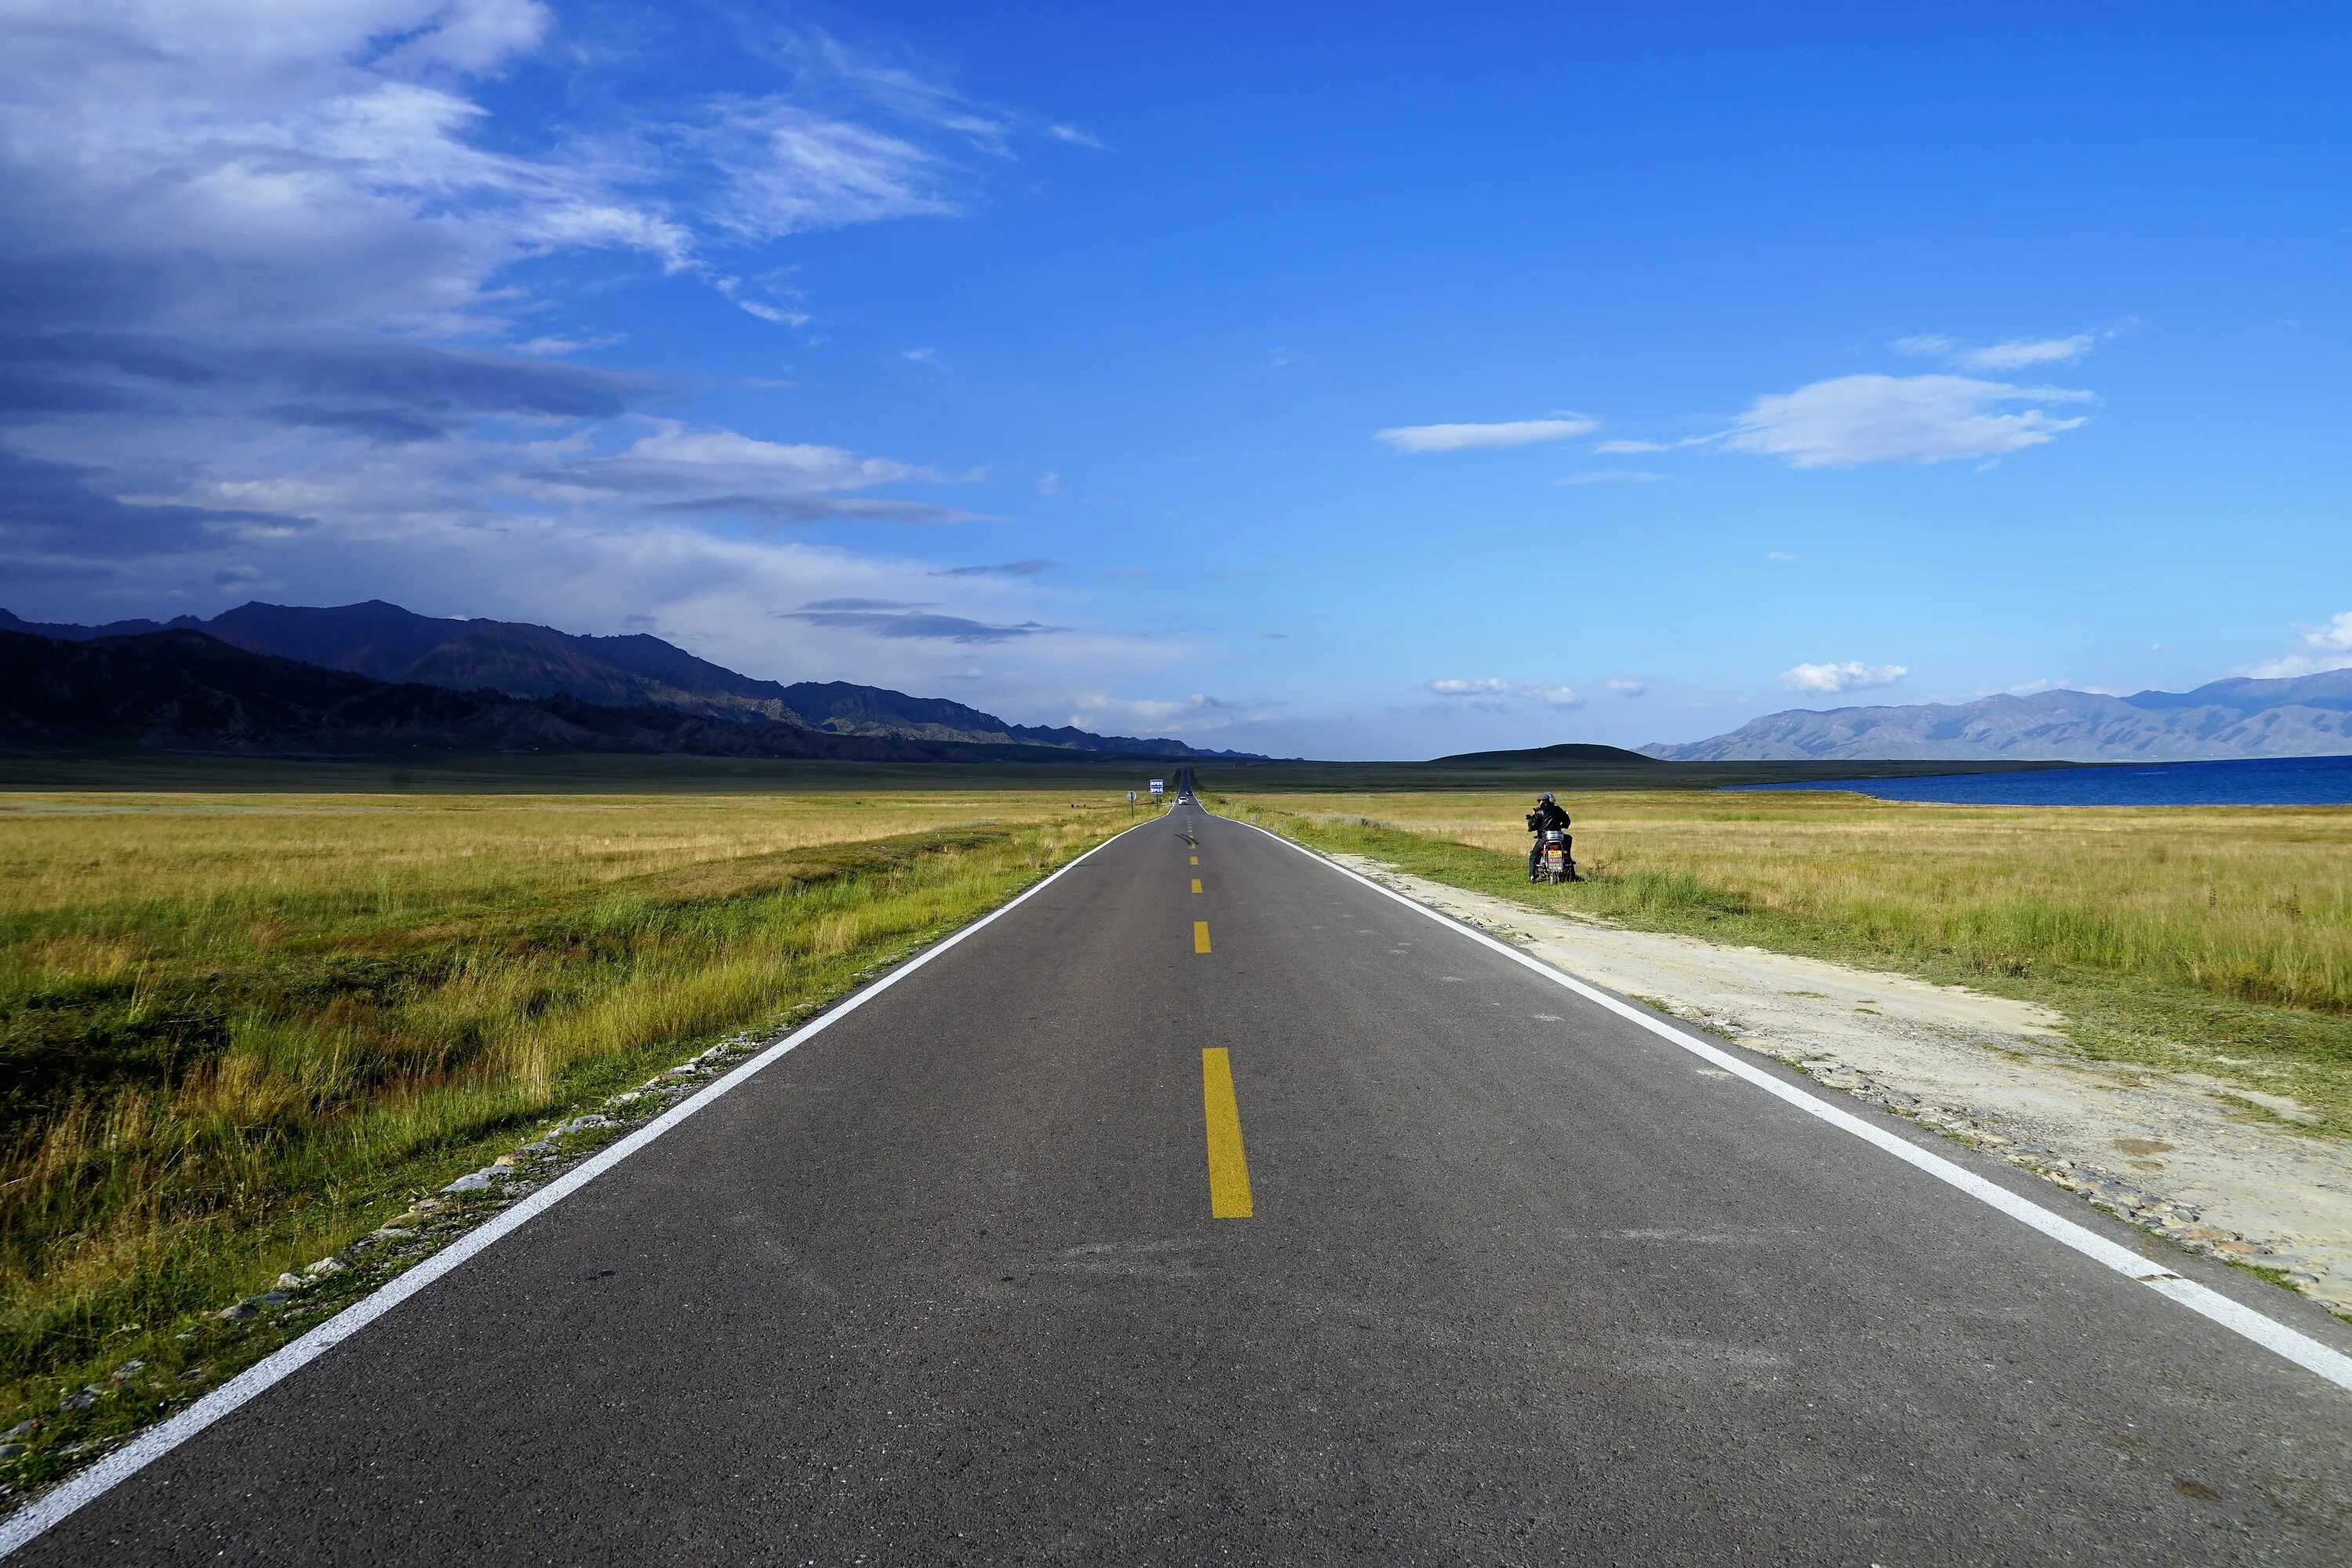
(1076, 136)
(1508, 433)
(1610, 476)
(2007, 354)
(678, 469)
(791, 170)
(885, 618)
(2325, 647)
(1551, 696)
(1830, 679)
(1855, 419)
(1626, 447)
(1626, 685)
(1001, 569)
(1160, 716)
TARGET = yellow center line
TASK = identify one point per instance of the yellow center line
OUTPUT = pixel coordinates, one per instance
(1196, 884)
(1195, 858)
(1200, 936)
(1229, 1183)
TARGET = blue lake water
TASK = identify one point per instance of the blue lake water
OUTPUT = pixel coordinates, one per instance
(2271, 781)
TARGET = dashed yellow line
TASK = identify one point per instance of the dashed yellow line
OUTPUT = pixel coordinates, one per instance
(1200, 936)
(1229, 1183)
(1195, 859)
(1196, 884)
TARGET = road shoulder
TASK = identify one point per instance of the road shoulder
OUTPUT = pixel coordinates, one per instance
(2166, 1151)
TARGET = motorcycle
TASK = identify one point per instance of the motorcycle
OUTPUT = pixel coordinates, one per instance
(1553, 863)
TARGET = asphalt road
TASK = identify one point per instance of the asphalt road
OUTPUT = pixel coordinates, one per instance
(1518, 1282)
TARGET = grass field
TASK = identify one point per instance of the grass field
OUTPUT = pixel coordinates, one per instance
(237, 1031)
(2216, 939)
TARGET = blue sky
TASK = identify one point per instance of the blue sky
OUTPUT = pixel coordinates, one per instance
(1367, 382)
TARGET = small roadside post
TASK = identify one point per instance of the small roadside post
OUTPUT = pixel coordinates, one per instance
(1131, 805)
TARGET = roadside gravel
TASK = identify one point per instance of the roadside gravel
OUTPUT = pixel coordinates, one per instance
(2206, 1165)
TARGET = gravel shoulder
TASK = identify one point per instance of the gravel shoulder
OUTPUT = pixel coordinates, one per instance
(2209, 1166)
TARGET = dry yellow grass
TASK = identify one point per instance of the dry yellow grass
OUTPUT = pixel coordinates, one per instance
(234, 1028)
(2221, 936)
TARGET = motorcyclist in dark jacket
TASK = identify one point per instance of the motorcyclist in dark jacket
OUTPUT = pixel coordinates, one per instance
(1549, 814)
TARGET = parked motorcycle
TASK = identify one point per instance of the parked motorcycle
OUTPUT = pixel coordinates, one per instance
(1553, 861)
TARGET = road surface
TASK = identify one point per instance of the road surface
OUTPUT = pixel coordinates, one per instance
(1213, 1206)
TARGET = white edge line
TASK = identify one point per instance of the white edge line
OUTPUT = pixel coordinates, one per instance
(2262, 1329)
(152, 1444)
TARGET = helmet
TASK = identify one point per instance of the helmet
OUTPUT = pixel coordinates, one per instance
(1545, 798)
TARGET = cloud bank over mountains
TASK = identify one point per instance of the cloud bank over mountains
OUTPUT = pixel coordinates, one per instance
(283, 295)
(2325, 647)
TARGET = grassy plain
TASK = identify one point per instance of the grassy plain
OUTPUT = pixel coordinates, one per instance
(2213, 939)
(239, 1030)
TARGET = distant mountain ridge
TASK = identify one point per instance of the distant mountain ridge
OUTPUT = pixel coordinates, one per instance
(178, 690)
(386, 643)
(2309, 715)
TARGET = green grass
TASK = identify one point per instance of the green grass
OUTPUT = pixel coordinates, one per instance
(2217, 939)
(239, 1032)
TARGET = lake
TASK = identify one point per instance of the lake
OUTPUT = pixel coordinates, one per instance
(2268, 781)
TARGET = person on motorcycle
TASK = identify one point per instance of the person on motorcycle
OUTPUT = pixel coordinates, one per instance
(1549, 814)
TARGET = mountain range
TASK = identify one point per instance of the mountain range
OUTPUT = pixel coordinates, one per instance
(180, 685)
(2308, 715)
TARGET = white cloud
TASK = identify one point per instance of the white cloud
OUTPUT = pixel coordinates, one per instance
(1610, 476)
(474, 35)
(2009, 354)
(2018, 354)
(678, 470)
(251, 229)
(1780, 555)
(1830, 679)
(1075, 136)
(778, 315)
(1627, 448)
(2329, 647)
(1624, 686)
(1855, 419)
(1156, 716)
(328, 162)
(918, 356)
(792, 170)
(1462, 437)
(1533, 691)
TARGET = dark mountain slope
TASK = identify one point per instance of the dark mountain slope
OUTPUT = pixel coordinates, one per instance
(66, 632)
(180, 691)
(388, 643)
